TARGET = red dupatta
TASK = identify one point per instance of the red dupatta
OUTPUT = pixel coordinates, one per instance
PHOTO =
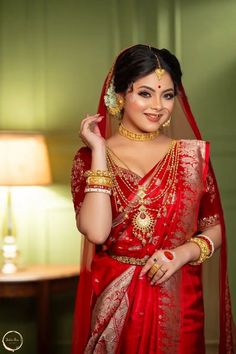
(184, 126)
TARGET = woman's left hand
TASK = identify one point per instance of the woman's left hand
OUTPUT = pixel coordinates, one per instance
(164, 263)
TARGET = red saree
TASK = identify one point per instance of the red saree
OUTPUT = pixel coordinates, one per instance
(116, 312)
(128, 315)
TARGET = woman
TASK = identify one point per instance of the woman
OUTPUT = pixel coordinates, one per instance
(150, 204)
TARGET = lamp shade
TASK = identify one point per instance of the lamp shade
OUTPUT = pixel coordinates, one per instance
(24, 160)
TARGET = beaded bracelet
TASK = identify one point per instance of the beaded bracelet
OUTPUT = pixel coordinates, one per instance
(204, 250)
(99, 190)
(98, 186)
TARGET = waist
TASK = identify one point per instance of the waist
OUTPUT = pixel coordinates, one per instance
(129, 260)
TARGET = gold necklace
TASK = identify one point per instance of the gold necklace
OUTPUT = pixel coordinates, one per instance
(136, 136)
(143, 215)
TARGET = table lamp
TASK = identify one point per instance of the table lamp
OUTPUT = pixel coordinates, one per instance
(24, 161)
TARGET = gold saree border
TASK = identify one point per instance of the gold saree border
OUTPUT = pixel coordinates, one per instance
(109, 315)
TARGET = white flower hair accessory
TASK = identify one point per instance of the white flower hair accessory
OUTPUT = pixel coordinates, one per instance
(113, 101)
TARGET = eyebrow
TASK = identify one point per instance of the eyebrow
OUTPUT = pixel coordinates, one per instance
(151, 89)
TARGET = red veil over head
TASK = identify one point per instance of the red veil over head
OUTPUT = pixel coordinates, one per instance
(183, 126)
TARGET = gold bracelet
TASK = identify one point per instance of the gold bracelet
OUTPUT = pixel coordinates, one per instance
(204, 250)
(99, 181)
(97, 173)
(209, 242)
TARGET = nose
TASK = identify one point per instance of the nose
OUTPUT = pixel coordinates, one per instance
(156, 102)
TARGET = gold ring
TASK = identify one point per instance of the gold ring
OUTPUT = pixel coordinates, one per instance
(154, 269)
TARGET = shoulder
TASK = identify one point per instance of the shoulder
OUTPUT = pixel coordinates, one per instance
(195, 147)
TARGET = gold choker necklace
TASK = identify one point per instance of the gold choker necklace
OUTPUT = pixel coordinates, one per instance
(136, 136)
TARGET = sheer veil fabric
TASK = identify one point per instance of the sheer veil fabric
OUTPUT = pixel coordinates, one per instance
(183, 126)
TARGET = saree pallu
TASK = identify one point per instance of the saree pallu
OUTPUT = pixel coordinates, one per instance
(127, 314)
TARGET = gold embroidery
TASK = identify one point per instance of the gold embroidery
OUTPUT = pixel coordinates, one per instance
(128, 175)
(192, 160)
(109, 315)
(77, 177)
(208, 221)
(210, 187)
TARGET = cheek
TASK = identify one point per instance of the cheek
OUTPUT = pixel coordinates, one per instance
(170, 106)
(136, 101)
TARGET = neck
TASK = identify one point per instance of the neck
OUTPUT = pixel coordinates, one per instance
(137, 136)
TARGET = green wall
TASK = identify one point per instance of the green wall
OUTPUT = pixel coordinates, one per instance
(54, 57)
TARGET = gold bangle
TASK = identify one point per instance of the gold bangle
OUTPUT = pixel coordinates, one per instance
(204, 250)
(99, 181)
(97, 173)
(209, 242)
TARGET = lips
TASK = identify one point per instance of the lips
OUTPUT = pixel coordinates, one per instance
(153, 117)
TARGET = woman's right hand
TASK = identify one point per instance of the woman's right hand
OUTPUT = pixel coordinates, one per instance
(90, 132)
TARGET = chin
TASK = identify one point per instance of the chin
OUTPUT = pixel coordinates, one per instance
(151, 127)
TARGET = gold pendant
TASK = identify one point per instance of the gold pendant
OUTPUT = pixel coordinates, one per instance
(143, 221)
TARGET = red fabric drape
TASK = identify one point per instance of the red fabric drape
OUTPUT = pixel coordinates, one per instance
(85, 290)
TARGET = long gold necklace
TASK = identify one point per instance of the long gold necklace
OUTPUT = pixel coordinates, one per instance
(143, 221)
(136, 136)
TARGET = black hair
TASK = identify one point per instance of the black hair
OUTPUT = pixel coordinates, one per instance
(140, 60)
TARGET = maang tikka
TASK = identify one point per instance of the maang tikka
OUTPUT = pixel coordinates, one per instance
(159, 71)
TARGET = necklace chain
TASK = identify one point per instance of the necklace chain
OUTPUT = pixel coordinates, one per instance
(142, 218)
(137, 136)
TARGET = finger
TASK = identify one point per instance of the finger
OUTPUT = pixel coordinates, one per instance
(146, 268)
(165, 277)
(88, 118)
(96, 127)
(90, 122)
(87, 127)
(153, 270)
(159, 275)
(152, 260)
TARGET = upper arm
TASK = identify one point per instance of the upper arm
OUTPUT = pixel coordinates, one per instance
(81, 163)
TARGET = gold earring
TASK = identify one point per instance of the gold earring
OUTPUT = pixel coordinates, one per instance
(167, 123)
(120, 101)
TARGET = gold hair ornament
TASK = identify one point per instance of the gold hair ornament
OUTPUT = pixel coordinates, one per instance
(113, 101)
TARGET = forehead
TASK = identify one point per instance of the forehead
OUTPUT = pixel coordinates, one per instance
(152, 81)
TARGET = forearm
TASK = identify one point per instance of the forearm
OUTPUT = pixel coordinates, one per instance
(191, 250)
(95, 217)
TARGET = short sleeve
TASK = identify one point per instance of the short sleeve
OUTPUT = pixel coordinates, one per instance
(209, 209)
(81, 163)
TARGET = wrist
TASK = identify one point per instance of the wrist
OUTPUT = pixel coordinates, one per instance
(191, 251)
(99, 158)
(99, 148)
